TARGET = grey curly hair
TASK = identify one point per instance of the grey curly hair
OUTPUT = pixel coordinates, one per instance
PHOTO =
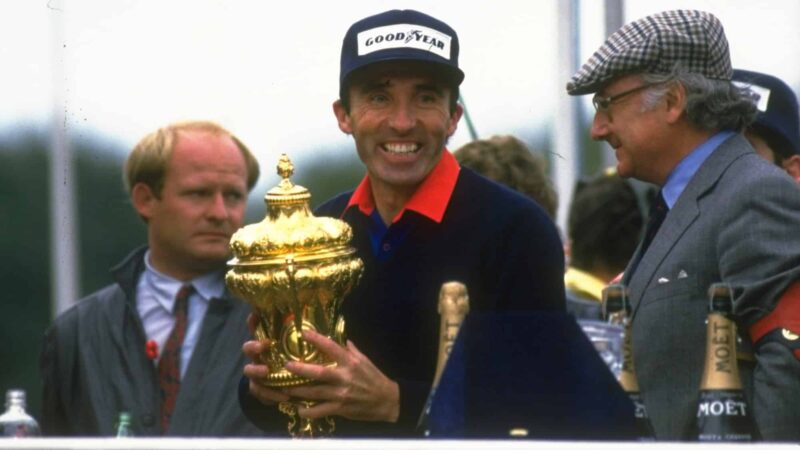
(711, 104)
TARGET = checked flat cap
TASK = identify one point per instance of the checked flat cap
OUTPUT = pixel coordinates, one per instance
(654, 44)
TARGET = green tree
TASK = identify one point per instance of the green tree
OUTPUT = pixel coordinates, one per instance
(108, 230)
(24, 268)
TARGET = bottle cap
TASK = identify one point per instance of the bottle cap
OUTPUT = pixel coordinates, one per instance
(615, 299)
(15, 397)
(720, 298)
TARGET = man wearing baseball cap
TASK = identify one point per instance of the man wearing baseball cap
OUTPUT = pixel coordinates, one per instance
(665, 102)
(419, 221)
(776, 132)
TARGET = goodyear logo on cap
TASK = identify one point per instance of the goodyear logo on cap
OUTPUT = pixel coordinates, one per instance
(404, 35)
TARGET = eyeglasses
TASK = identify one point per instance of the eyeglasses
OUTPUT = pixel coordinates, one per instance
(603, 103)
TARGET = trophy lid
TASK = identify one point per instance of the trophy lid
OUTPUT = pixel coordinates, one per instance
(290, 230)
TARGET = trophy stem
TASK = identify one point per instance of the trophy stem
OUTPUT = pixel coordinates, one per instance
(300, 427)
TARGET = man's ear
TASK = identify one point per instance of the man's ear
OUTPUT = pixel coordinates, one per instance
(454, 118)
(675, 99)
(144, 200)
(792, 166)
(342, 116)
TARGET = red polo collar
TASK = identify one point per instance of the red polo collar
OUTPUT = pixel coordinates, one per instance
(430, 199)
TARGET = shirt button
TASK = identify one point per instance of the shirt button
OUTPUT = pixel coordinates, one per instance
(386, 246)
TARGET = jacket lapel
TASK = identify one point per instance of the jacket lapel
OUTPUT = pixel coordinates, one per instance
(678, 220)
(682, 215)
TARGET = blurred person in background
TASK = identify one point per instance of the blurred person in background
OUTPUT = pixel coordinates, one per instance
(508, 161)
(604, 226)
(163, 342)
(665, 101)
(776, 132)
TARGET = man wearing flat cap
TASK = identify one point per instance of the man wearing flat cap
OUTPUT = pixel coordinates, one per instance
(419, 220)
(665, 102)
(776, 132)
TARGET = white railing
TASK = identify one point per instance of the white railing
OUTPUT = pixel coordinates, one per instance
(347, 444)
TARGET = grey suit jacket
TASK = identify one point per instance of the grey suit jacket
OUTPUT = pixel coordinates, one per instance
(94, 365)
(738, 221)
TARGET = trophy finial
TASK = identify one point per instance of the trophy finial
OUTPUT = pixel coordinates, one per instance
(285, 166)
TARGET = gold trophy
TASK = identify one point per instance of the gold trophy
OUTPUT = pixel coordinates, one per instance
(294, 269)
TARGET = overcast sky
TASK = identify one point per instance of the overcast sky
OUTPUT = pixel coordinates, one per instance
(269, 70)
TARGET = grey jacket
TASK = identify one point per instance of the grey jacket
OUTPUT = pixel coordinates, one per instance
(93, 365)
(738, 221)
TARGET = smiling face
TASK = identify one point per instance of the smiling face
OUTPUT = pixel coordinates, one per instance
(637, 135)
(400, 119)
(202, 203)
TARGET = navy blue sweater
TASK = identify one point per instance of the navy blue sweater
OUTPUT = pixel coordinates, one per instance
(499, 243)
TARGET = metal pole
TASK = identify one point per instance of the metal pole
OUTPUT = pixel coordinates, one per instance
(473, 133)
(615, 15)
(566, 161)
(614, 20)
(63, 237)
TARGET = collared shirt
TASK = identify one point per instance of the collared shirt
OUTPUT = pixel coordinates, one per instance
(429, 200)
(155, 299)
(685, 170)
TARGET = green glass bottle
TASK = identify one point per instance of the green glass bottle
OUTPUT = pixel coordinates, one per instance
(124, 425)
(15, 422)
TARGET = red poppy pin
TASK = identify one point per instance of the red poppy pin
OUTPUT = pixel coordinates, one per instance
(151, 349)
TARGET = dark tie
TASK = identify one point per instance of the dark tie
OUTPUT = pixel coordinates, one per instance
(658, 211)
(169, 366)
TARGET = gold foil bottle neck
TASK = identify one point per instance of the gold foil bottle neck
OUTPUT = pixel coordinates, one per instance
(616, 310)
(720, 370)
(453, 307)
(616, 306)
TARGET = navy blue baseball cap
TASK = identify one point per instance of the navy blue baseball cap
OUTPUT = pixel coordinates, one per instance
(400, 35)
(778, 118)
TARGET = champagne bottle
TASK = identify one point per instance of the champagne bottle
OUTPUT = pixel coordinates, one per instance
(616, 309)
(722, 410)
(453, 308)
(124, 426)
(15, 422)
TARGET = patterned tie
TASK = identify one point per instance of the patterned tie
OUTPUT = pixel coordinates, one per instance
(658, 211)
(169, 368)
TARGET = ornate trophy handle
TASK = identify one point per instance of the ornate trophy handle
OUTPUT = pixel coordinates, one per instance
(298, 310)
(260, 332)
(261, 336)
